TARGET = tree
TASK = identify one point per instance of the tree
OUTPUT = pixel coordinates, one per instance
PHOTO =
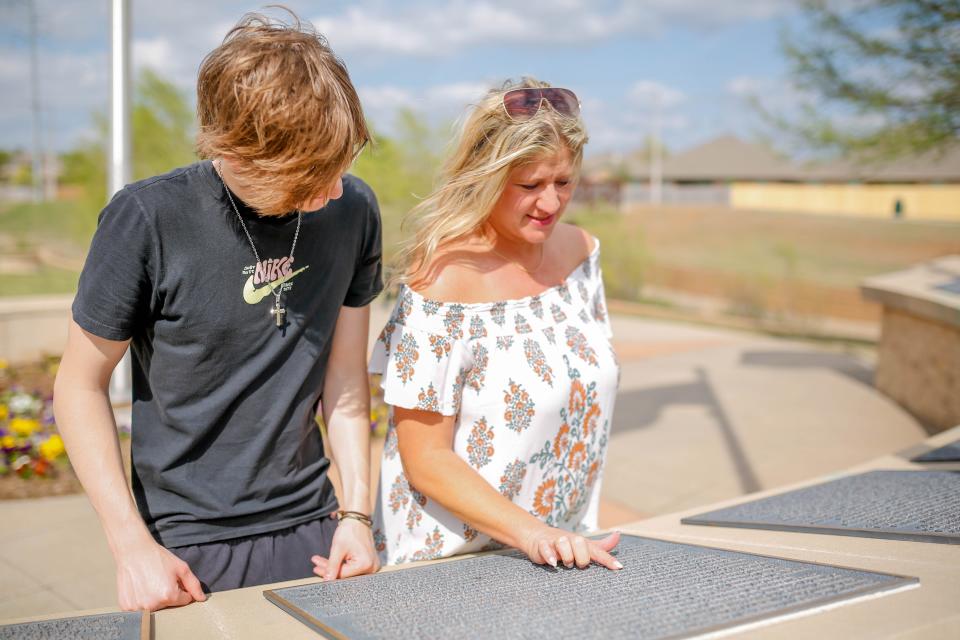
(900, 83)
(161, 124)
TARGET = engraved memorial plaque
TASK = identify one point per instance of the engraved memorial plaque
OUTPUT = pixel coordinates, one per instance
(946, 453)
(107, 626)
(666, 590)
(922, 506)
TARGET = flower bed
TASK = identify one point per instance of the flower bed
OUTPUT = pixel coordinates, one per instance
(33, 462)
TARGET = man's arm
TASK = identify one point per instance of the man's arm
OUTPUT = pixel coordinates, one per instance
(148, 575)
(346, 412)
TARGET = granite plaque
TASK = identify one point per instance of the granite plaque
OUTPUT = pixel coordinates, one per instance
(107, 626)
(921, 506)
(666, 590)
(946, 453)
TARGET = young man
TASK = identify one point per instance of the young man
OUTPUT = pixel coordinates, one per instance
(241, 285)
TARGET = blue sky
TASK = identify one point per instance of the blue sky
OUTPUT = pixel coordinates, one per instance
(698, 58)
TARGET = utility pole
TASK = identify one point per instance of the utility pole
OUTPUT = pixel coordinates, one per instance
(120, 149)
(37, 166)
(118, 172)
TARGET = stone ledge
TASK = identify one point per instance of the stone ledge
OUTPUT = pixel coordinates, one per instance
(930, 290)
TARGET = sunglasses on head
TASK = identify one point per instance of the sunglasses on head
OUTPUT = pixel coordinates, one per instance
(523, 104)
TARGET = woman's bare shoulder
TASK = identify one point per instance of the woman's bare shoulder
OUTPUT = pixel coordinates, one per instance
(574, 243)
(454, 273)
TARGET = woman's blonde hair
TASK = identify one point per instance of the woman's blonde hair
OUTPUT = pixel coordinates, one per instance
(275, 99)
(490, 145)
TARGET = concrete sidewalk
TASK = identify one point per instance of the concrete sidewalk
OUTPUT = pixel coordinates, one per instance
(702, 415)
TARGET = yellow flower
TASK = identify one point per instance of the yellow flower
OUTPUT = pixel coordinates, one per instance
(52, 448)
(24, 427)
(4, 411)
(4, 364)
(8, 442)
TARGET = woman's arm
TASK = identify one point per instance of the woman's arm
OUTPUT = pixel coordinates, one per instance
(425, 441)
(346, 412)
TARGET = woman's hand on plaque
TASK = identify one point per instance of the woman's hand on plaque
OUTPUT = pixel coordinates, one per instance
(547, 545)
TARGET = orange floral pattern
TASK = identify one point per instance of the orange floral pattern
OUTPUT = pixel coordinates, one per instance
(453, 321)
(480, 444)
(427, 399)
(571, 459)
(591, 422)
(390, 444)
(406, 357)
(478, 373)
(537, 360)
(469, 533)
(520, 407)
(399, 494)
(551, 336)
(511, 482)
(440, 346)
(498, 313)
(477, 328)
(547, 359)
(536, 306)
(557, 313)
(579, 345)
(386, 336)
(417, 502)
(520, 324)
(432, 548)
(544, 497)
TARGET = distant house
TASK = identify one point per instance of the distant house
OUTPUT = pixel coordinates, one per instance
(728, 171)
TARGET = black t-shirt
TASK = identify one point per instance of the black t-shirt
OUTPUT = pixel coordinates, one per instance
(224, 439)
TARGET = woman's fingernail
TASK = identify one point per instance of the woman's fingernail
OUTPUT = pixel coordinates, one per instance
(553, 561)
(617, 564)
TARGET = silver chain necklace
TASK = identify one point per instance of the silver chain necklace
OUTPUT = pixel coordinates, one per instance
(277, 311)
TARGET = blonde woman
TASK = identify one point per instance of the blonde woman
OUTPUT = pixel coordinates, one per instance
(496, 361)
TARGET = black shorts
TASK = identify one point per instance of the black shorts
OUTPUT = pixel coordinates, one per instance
(261, 559)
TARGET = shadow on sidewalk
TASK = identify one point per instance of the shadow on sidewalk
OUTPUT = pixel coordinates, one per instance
(641, 408)
(838, 362)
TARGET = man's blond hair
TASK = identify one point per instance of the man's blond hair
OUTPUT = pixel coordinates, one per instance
(276, 101)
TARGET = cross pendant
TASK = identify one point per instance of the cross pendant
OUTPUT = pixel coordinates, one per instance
(278, 313)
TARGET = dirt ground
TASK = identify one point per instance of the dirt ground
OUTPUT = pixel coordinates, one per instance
(769, 263)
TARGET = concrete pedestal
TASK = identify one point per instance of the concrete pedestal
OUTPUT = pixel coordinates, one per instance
(919, 353)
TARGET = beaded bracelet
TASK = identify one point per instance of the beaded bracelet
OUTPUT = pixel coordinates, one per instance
(355, 515)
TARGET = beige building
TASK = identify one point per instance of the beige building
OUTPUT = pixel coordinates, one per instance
(729, 171)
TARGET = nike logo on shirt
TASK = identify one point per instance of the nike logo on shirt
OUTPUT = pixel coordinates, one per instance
(253, 295)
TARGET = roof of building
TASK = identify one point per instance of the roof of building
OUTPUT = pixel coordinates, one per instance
(728, 159)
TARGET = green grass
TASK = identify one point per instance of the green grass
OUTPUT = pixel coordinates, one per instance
(46, 280)
(64, 221)
(763, 263)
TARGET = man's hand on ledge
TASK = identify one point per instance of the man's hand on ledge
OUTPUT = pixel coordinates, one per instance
(351, 552)
(149, 577)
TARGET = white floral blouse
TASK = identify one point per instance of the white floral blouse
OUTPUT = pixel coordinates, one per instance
(532, 382)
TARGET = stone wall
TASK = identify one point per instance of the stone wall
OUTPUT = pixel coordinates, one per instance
(919, 367)
(33, 326)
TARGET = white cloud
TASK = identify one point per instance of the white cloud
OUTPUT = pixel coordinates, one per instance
(747, 86)
(438, 102)
(651, 95)
(154, 53)
(428, 29)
